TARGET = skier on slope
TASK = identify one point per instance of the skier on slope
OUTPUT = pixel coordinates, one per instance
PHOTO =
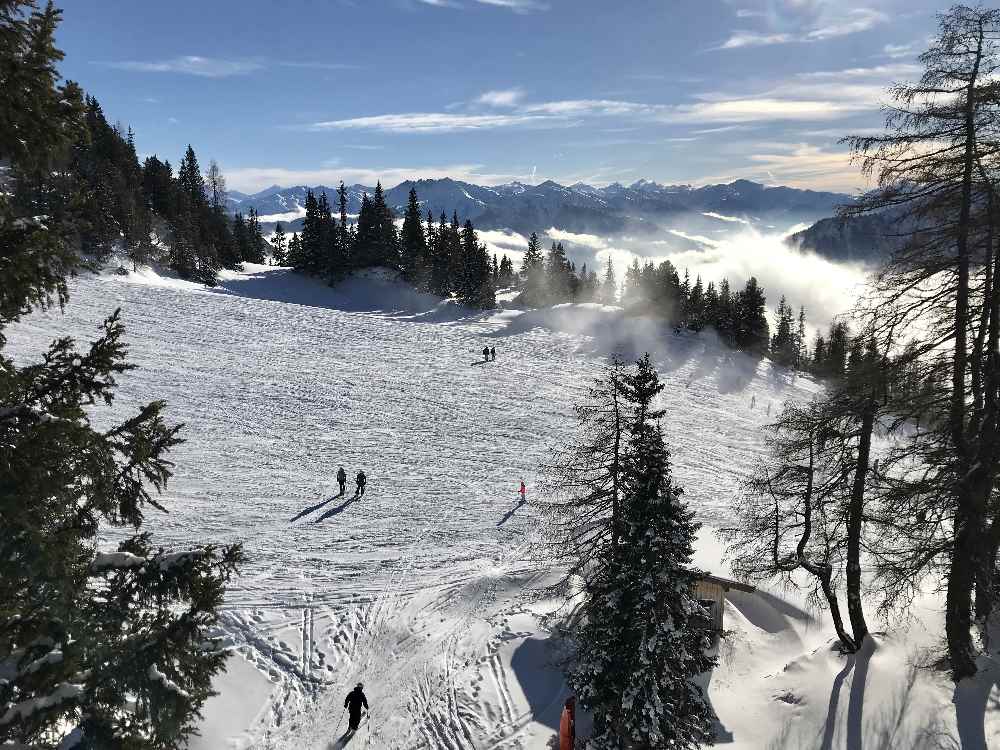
(353, 702)
(493, 353)
(360, 481)
(342, 480)
(522, 490)
(486, 354)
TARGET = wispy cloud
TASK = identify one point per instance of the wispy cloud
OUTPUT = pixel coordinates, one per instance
(430, 122)
(501, 98)
(760, 109)
(518, 6)
(799, 164)
(754, 39)
(196, 65)
(318, 65)
(825, 21)
(214, 67)
(855, 20)
(878, 72)
(896, 51)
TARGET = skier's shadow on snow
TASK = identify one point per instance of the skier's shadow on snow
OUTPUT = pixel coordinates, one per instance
(478, 362)
(317, 506)
(339, 509)
(510, 513)
(342, 742)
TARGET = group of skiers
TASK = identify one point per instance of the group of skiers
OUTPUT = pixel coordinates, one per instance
(489, 353)
(359, 480)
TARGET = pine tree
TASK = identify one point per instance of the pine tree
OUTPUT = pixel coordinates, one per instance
(642, 642)
(440, 260)
(506, 272)
(296, 257)
(801, 350)
(280, 245)
(784, 345)
(413, 244)
(752, 330)
(256, 244)
(311, 257)
(557, 272)
(191, 182)
(533, 273)
(344, 239)
(696, 306)
(241, 237)
(609, 286)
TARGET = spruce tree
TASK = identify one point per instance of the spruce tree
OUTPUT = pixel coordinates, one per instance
(296, 257)
(643, 642)
(413, 244)
(506, 272)
(752, 330)
(280, 245)
(343, 235)
(533, 273)
(310, 258)
(440, 259)
(385, 250)
(609, 286)
(557, 272)
(256, 244)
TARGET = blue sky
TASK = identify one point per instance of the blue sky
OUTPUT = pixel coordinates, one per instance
(680, 91)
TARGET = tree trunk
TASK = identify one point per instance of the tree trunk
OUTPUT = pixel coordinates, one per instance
(849, 644)
(855, 519)
(961, 575)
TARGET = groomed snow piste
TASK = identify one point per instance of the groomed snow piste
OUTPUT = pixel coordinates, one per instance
(424, 589)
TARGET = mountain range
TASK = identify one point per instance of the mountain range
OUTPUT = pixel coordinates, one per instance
(641, 208)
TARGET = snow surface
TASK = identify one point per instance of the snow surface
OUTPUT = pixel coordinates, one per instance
(424, 588)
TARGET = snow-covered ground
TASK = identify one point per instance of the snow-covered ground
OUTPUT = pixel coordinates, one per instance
(424, 589)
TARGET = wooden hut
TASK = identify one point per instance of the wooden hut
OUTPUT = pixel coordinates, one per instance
(711, 592)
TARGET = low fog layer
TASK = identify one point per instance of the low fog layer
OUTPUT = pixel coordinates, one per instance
(736, 251)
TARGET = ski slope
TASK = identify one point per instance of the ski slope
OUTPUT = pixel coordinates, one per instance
(424, 589)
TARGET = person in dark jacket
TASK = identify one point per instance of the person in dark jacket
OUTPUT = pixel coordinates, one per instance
(493, 354)
(360, 480)
(486, 354)
(342, 480)
(353, 703)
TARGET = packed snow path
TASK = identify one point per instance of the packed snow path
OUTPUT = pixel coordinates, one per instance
(415, 587)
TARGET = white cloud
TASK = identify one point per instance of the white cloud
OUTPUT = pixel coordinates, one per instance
(815, 22)
(854, 21)
(752, 39)
(798, 164)
(911, 49)
(593, 107)
(501, 98)
(885, 72)
(428, 122)
(207, 67)
(317, 65)
(761, 109)
(518, 6)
